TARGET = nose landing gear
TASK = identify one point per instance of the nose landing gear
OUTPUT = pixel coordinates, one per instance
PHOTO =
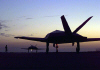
(78, 47)
(56, 47)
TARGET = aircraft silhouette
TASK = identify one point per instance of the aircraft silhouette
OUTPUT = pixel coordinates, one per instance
(32, 48)
(66, 36)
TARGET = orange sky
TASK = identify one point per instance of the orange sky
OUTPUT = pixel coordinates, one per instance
(37, 18)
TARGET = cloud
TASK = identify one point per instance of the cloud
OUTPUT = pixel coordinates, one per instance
(2, 21)
(6, 30)
(30, 35)
(29, 18)
(55, 16)
(24, 17)
(50, 16)
(3, 26)
(26, 35)
(6, 35)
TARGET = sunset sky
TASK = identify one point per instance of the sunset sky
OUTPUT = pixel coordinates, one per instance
(36, 18)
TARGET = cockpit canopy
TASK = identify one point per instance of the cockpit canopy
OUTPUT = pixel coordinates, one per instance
(54, 33)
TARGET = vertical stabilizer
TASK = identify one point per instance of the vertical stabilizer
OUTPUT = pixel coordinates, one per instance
(82, 25)
(65, 25)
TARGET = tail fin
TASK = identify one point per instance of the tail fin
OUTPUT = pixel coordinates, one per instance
(65, 25)
(82, 25)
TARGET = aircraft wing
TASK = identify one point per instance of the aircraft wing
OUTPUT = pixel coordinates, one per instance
(92, 39)
(32, 38)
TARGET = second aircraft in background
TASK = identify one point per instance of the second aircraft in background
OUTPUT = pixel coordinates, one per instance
(32, 48)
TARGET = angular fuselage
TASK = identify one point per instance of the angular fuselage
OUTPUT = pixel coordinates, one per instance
(58, 37)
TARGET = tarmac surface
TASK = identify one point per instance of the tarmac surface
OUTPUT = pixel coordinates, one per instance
(51, 61)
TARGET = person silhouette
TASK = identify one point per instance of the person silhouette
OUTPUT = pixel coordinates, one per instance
(6, 49)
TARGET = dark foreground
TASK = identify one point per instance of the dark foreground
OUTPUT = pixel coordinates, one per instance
(51, 61)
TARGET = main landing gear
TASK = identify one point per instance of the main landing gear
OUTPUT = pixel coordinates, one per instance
(78, 47)
(56, 48)
(47, 47)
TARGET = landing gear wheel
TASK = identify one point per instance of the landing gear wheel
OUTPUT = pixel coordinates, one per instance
(47, 47)
(47, 50)
(77, 50)
(78, 47)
